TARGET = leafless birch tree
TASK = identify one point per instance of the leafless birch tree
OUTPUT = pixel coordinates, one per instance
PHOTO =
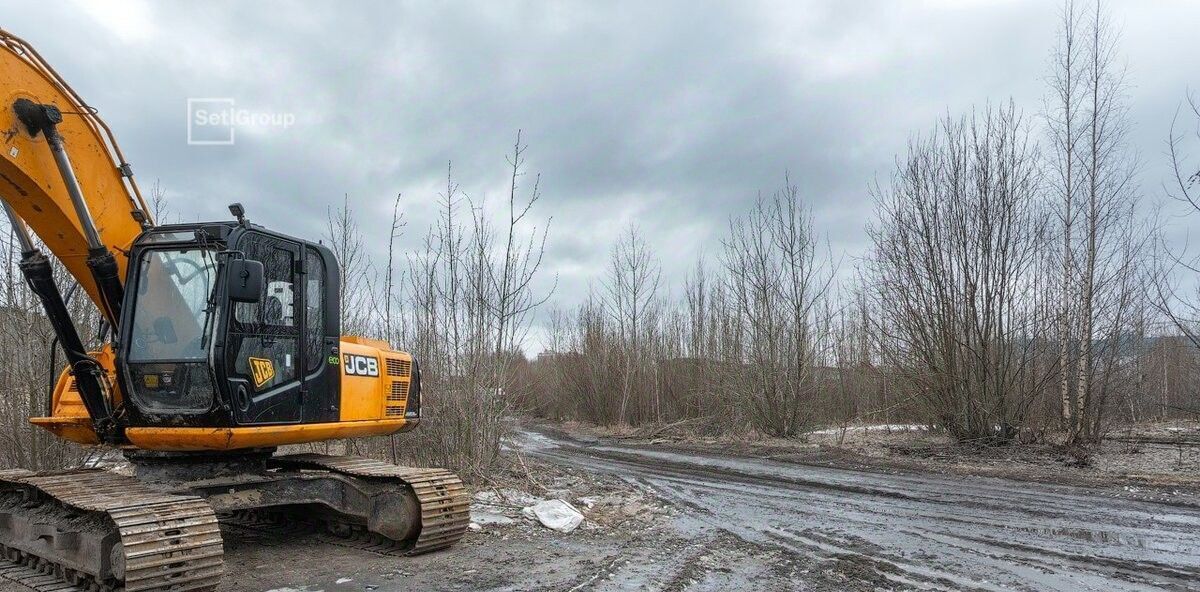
(1102, 244)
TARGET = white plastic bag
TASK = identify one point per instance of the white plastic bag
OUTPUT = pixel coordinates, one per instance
(555, 514)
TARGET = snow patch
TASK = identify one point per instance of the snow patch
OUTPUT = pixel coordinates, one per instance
(888, 427)
(505, 497)
(485, 517)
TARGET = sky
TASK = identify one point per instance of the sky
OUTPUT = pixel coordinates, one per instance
(672, 116)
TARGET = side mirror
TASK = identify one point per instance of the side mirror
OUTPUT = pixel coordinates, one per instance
(245, 280)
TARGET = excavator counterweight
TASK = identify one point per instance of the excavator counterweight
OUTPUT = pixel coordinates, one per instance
(224, 344)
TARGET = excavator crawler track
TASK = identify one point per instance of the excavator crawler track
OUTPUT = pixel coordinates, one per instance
(444, 503)
(272, 528)
(98, 531)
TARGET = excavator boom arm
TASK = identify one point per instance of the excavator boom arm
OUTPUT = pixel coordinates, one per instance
(33, 183)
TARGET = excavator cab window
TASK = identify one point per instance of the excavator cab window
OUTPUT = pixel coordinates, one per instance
(171, 308)
(171, 327)
(314, 309)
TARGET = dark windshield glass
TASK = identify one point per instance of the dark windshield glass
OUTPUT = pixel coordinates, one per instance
(170, 313)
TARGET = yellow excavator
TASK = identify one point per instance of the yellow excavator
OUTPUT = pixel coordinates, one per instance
(222, 343)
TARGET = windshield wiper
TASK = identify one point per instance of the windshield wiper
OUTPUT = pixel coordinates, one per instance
(211, 303)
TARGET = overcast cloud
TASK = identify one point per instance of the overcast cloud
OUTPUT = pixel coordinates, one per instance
(670, 115)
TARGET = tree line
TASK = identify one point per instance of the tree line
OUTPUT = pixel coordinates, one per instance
(1016, 289)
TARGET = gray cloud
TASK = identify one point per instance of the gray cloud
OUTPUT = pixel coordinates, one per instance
(666, 114)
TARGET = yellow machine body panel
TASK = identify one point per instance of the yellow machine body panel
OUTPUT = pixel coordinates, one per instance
(375, 386)
(197, 439)
(69, 419)
(378, 389)
(30, 181)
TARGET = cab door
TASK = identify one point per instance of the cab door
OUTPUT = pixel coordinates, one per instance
(264, 338)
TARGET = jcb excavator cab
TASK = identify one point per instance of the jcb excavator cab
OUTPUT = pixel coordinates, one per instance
(230, 324)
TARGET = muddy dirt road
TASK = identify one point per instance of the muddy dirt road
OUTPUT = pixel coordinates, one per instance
(916, 530)
(715, 522)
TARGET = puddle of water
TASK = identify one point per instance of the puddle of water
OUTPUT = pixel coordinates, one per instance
(524, 440)
(1088, 535)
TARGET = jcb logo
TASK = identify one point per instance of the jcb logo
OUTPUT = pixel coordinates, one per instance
(262, 370)
(361, 365)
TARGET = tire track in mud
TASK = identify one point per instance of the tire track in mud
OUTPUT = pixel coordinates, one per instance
(913, 530)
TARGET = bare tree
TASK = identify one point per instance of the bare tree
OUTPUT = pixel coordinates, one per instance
(955, 242)
(778, 285)
(345, 240)
(470, 298)
(630, 297)
(389, 284)
(1176, 292)
(1182, 305)
(1091, 151)
(511, 269)
(1065, 130)
(158, 203)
